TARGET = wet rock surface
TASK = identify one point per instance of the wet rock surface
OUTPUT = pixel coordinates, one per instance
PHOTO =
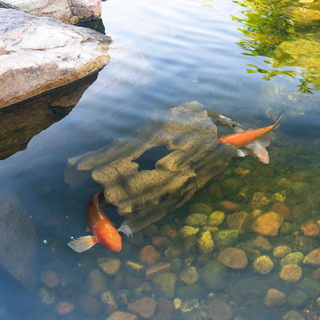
(63, 10)
(66, 53)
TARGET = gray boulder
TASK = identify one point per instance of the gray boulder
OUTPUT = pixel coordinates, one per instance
(38, 54)
(67, 11)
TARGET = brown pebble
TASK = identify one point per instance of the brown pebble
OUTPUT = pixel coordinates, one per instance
(159, 267)
(64, 307)
(310, 229)
(283, 210)
(229, 206)
(50, 279)
(160, 242)
(291, 273)
(167, 230)
(148, 255)
(145, 307)
(316, 274)
(132, 281)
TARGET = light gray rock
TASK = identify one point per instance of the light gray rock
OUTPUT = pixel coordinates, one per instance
(38, 54)
(68, 11)
(195, 159)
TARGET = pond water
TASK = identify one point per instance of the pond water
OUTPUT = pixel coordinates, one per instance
(234, 58)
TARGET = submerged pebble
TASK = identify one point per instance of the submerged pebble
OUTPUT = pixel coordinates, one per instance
(149, 255)
(313, 258)
(259, 200)
(268, 224)
(233, 258)
(292, 258)
(229, 206)
(310, 229)
(189, 275)
(64, 307)
(47, 296)
(109, 266)
(219, 310)
(200, 208)
(205, 242)
(225, 238)
(119, 315)
(134, 266)
(237, 221)
(274, 298)
(188, 231)
(216, 218)
(165, 284)
(283, 210)
(291, 273)
(263, 265)
(196, 220)
(50, 279)
(157, 268)
(109, 302)
(96, 282)
(281, 251)
(293, 315)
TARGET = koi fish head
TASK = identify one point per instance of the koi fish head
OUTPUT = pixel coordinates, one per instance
(260, 154)
(111, 241)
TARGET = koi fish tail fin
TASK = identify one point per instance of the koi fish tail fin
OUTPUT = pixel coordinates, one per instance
(83, 243)
(126, 230)
(277, 124)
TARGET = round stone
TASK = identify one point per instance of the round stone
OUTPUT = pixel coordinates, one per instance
(263, 265)
(291, 273)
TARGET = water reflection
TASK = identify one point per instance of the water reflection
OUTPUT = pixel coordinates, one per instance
(20, 122)
(287, 33)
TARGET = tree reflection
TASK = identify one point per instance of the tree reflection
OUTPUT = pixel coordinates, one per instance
(282, 31)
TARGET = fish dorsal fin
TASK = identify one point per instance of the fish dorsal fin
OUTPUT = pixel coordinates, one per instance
(265, 141)
(126, 230)
(220, 124)
(238, 129)
(277, 124)
(213, 114)
(83, 243)
(87, 229)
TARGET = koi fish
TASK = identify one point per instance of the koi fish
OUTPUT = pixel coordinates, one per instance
(102, 228)
(257, 149)
(243, 138)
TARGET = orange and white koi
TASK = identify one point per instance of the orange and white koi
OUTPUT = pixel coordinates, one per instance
(243, 138)
(102, 228)
(256, 149)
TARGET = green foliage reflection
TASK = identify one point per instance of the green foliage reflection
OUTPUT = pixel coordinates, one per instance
(283, 31)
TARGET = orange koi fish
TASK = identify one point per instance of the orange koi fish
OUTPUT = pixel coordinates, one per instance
(244, 138)
(102, 228)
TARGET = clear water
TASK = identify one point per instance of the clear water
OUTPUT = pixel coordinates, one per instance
(176, 52)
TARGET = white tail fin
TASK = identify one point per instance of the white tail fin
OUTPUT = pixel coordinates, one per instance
(126, 230)
(82, 244)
